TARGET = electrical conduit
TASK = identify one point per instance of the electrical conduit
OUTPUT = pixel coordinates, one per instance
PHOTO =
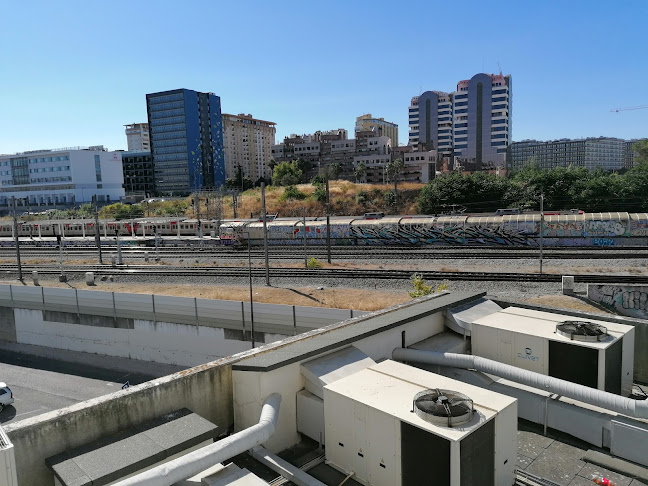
(599, 398)
(196, 461)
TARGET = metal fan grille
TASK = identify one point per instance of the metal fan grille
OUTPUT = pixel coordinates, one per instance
(582, 331)
(443, 407)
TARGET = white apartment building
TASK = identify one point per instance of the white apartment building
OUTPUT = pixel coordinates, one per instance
(248, 144)
(138, 137)
(61, 177)
(472, 124)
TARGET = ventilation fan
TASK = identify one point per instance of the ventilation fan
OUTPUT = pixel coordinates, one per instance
(443, 407)
(581, 331)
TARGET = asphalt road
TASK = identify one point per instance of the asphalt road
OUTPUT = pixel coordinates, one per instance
(40, 385)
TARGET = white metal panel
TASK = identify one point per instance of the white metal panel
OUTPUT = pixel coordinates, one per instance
(530, 353)
(360, 453)
(96, 302)
(383, 458)
(60, 299)
(5, 294)
(338, 418)
(629, 441)
(29, 297)
(310, 416)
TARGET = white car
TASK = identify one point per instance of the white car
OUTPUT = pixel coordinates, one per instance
(6, 396)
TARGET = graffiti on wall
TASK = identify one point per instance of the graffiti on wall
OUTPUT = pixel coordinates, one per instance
(604, 228)
(449, 235)
(627, 300)
(639, 227)
(563, 228)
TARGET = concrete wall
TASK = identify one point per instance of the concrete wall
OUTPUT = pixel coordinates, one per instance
(252, 388)
(206, 390)
(173, 330)
(627, 300)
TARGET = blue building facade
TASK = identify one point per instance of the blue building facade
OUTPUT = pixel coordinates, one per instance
(186, 130)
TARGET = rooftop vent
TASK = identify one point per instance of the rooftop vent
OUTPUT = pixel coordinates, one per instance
(443, 407)
(581, 331)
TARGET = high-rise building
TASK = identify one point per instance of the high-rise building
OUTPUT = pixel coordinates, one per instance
(604, 152)
(472, 125)
(186, 141)
(139, 179)
(138, 138)
(248, 144)
(377, 125)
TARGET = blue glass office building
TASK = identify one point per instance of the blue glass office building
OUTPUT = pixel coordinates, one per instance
(186, 130)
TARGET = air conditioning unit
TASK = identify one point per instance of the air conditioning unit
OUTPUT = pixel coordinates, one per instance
(7, 461)
(593, 353)
(392, 424)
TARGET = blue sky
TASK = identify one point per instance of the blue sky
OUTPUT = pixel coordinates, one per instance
(74, 72)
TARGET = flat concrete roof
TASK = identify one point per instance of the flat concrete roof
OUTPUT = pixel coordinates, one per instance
(334, 336)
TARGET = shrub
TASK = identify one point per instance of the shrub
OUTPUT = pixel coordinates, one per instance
(292, 192)
(314, 263)
(421, 289)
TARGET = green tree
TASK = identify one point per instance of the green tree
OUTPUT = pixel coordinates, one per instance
(330, 171)
(641, 147)
(359, 171)
(286, 174)
(394, 169)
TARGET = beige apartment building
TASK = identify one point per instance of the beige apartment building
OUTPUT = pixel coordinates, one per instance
(379, 126)
(248, 143)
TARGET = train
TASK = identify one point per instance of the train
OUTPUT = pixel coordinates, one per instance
(557, 229)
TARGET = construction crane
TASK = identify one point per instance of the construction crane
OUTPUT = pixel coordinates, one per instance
(642, 107)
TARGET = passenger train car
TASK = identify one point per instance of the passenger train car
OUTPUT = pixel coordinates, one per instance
(585, 229)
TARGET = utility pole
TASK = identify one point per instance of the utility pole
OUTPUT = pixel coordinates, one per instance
(265, 234)
(97, 232)
(234, 204)
(16, 238)
(251, 298)
(328, 222)
(541, 228)
(197, 209)
(305, 250)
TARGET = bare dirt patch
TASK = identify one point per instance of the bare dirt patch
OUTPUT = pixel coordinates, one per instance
(566, 302)
(343, 298)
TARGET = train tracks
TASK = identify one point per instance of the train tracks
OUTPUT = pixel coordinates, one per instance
(340, 253)
(321, 273)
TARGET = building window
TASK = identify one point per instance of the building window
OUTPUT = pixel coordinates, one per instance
(97, 162)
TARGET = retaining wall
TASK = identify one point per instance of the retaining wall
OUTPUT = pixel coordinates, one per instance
(165, 329)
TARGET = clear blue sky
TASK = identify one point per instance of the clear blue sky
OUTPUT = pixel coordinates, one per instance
(74, 72)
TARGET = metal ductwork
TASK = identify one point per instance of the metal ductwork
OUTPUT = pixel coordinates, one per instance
(608, 401)
(197, 461)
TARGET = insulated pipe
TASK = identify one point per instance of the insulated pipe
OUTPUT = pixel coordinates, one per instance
(284, 468)
(196, 461)
(599, 398)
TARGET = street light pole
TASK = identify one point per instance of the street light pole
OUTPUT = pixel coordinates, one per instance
(250, 278)
(97, 232)
(541, 228)
(328, 222)
(265, 234)
(16, 238)
(305, 250)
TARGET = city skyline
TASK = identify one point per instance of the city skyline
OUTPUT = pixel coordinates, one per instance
(77, 79)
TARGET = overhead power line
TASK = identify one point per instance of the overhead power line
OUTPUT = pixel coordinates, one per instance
(629, 108)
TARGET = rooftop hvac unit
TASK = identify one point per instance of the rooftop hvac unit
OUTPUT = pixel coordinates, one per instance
(592, 353)
(7, 461)
(392, 424)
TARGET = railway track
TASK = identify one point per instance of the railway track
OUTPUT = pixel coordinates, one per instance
(295, 253)
(243, 272)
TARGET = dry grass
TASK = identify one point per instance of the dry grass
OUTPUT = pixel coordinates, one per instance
(343, 298)
(343, 198)
(565, 302)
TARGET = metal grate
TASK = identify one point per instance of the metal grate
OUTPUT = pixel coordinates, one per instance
(443, 407)
(581, 331)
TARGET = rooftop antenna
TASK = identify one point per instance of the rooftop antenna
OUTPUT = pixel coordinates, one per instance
(500, 67)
